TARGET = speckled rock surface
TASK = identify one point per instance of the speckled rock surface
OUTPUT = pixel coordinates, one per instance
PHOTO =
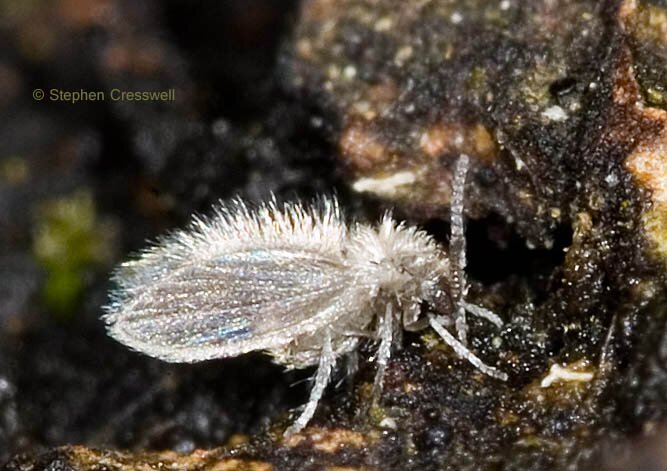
(561, 107)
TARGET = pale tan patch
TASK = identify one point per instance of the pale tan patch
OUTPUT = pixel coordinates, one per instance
(234, 464)
(453, 138)
(648, 162)
(327, 440)
(648, 165)
(362, 148)
(655, 224)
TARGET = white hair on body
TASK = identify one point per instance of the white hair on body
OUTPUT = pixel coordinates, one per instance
(293, 280)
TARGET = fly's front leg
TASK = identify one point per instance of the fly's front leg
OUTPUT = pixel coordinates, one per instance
(463, 351)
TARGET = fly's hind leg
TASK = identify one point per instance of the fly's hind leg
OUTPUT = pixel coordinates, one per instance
(385, 333)
(327, 362)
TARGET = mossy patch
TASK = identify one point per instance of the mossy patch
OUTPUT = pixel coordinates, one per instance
(69, 240)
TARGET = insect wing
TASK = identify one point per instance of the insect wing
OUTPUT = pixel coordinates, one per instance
(232, 304)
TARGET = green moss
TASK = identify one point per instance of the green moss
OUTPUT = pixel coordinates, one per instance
(648, 28)
(477, 82)
(69, 240)
(656, 97)
(655, 224)
(651, 22)
(62, 290)
(534, 88)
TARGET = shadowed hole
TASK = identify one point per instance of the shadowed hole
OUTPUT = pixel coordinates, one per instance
(496, 253)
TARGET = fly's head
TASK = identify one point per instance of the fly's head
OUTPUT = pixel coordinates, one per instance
(405, 263)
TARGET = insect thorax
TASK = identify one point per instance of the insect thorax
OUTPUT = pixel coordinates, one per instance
(404, 263)
(390, 263)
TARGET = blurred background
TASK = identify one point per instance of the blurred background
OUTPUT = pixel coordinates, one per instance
(84, 184)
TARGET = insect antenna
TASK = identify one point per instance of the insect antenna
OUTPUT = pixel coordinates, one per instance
(458, 284)
(457, 247)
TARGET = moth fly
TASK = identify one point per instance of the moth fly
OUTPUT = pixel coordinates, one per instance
(295, 281)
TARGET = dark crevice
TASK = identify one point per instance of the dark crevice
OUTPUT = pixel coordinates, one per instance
(496, 253)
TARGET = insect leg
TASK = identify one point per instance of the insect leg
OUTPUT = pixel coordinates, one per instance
(351, 360)
(385, 332)
(482, 312)
(327, 361)
(457, 246)
(351, 368)
(462, 351)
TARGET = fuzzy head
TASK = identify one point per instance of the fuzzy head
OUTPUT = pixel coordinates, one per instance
(406, 264)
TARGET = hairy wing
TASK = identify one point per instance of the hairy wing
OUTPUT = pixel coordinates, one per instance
(232, 304)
